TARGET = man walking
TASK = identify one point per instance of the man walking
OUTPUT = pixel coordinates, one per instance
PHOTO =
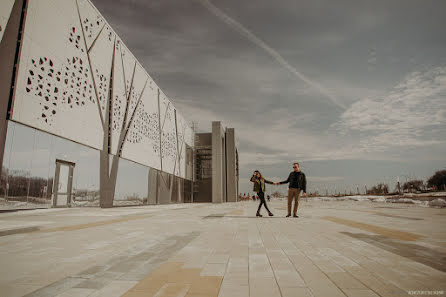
(297, 182)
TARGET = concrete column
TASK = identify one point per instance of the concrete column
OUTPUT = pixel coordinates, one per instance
(217, 163)
(223, 166)
(231, 174)
(9, 47)
(153, 186)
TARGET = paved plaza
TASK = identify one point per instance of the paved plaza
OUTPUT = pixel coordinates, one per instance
(343, 248)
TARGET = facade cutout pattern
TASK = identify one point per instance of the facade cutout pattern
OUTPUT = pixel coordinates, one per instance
(79, 81)
(181, 158)
(55, 89)
(168, 135)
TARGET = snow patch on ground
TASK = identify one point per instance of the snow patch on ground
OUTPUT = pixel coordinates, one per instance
(439, 202)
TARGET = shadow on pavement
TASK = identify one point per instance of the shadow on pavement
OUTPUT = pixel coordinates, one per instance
(417, 253)
(248, 217)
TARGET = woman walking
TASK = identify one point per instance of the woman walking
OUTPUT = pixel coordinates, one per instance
(259, 187)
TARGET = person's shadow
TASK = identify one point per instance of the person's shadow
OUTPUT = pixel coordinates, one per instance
(247, 217)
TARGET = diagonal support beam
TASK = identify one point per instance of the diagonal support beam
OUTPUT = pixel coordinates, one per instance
(131, 118)
(91, 68)
(94, 41)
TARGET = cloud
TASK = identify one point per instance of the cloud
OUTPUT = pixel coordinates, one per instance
(372, 60)
(413, 113)
(272, 52)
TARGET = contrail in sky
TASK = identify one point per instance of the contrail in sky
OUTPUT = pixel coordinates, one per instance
(273, 53)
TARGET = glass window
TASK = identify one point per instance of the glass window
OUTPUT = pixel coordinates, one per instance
(85, 191)
(17, 165)
(187, 191)
(131, 184)
(29, 166)
(164, 187)
(41, 179)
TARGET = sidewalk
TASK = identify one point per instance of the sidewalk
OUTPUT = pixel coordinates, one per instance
(343, 248)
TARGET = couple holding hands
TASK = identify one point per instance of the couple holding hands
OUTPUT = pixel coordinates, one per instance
(297, 182)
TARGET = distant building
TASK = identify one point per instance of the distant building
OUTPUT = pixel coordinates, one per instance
(83, 124)
(217, 171)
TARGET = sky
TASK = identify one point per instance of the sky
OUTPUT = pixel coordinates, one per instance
(355, 91)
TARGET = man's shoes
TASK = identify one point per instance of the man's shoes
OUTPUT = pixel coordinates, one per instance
(295, 216)
(258, 215)
(288, 215)
(270, 214)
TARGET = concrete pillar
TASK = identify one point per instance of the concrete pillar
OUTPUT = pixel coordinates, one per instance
(237, 170)
(223, 160)
(9, 47)
(153, 186)
(231, 174)
(218, 186)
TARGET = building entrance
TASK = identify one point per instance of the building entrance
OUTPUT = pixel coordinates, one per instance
(63, 183)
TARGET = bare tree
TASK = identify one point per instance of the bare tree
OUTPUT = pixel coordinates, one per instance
(438, 180)
(413, 185)
(380, 188)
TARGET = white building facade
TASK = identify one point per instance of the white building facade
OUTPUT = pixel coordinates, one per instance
(82, 122)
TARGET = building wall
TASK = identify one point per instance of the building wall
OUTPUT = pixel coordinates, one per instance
(231, 164)
(5, 12)
(203, 167)
(221, 184)
(78, 90)
(29, 171)
(204, 193)
(218, 185)
(79, 81)
(11, 15)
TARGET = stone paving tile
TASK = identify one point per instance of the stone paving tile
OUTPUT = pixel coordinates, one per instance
(360, 293)
(345, 280)
(76, 292)
(96, 283)
(319, 284)
(217, 269)
(173, 290)
(263, 287)
(56, 288)
(16, 290)
(140, 272)
(114, 289)
(233, 291)
(218, 258)
(296, 292)
(381, 287)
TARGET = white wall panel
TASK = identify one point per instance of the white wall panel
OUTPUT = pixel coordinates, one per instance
(54, 90)
(119, 98)
(58, 92)
(5, 12)
(181, 128)
(100, 41)
(189, 136)
(142, 141)
(92, 21)
(168, 135)
(140, 80)
(132, 82)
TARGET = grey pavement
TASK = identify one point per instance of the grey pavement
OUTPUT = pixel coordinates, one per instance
(339, 248)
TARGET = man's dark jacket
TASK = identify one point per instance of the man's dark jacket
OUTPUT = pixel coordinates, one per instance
(297, 180)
